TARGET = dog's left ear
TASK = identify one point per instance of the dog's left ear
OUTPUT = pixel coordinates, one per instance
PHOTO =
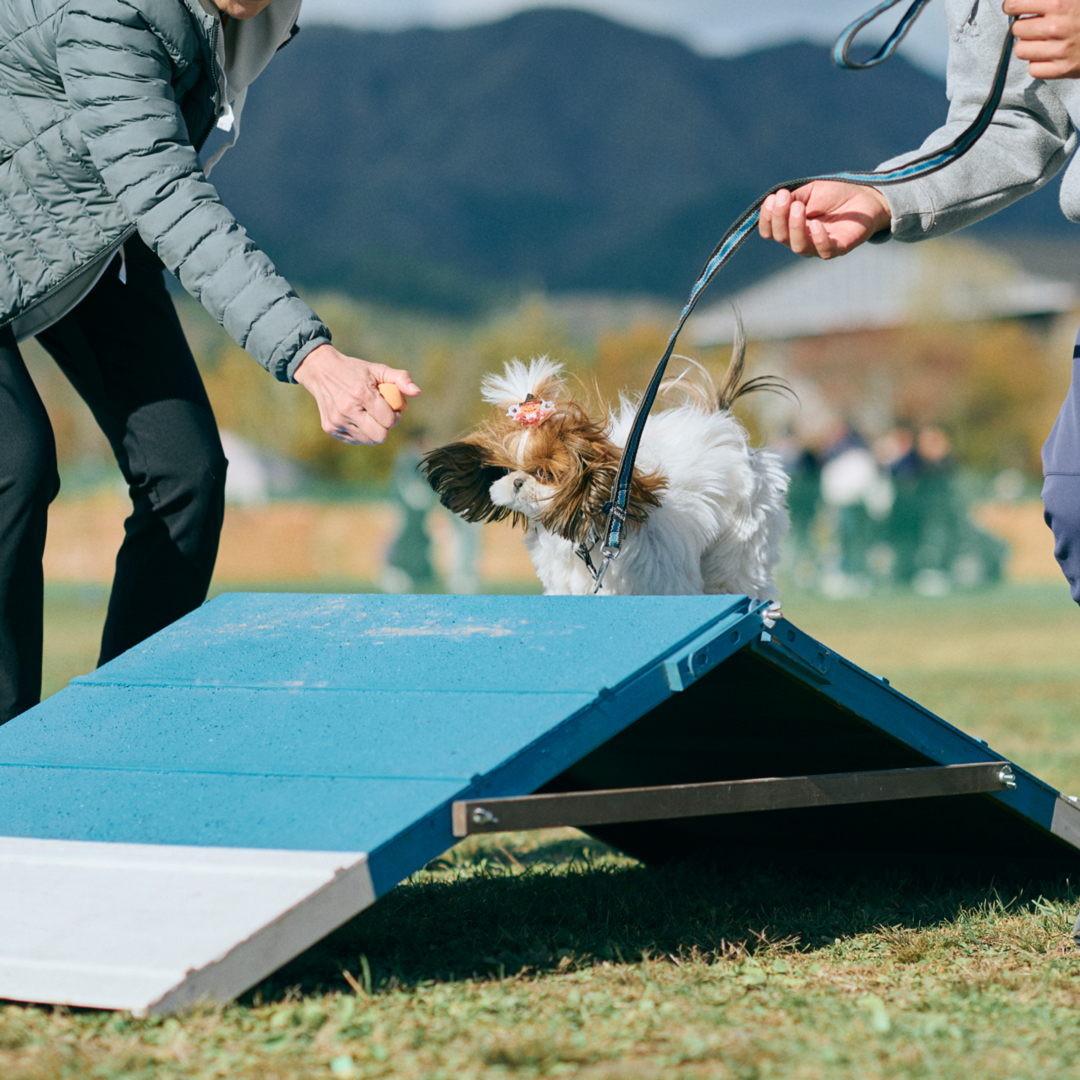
(581, 497)
(458, 473)
(587, 489)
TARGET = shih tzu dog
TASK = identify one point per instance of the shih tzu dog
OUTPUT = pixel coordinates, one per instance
(706, 511)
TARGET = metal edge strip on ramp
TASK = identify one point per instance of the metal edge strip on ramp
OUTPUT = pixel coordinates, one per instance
(155, 928)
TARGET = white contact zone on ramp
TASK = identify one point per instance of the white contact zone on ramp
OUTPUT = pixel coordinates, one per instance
(153, 928)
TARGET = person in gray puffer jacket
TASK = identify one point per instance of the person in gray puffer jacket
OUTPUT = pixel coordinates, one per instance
(105, 106)
(1032, 135)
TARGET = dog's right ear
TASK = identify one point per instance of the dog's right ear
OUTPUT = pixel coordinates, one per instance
(458, 473)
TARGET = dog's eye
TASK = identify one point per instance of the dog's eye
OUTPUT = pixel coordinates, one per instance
(543, 475)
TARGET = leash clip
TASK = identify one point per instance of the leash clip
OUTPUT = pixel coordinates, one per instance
(607, 555)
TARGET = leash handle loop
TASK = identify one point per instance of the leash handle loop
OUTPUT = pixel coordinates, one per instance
(841, 50)
(736, 235)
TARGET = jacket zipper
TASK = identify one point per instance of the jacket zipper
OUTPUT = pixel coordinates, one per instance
(215, 29)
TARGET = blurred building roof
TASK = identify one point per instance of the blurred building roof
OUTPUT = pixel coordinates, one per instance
(886, 286)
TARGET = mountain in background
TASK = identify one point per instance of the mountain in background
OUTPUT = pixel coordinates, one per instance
(555, 149)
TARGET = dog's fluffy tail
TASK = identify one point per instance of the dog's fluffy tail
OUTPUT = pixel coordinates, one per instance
(701, 388)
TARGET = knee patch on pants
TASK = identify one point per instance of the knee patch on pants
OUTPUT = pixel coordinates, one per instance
(28, 475)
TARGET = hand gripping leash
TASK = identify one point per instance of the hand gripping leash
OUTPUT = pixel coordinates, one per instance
(735, 236)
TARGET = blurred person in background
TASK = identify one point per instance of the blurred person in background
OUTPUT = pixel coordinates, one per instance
(896, 452)
(941, 510)
(1030, 139)
(803, 501)
(408, 562)
(858, 496)
(106, 106)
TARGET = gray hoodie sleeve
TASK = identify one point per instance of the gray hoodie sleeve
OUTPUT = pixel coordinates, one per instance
(117, 71)
(1028, 141)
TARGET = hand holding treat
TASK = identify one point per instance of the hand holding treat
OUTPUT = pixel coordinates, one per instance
(358, 402)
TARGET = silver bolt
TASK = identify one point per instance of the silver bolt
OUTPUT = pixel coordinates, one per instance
(481, 816)
(1007, 777)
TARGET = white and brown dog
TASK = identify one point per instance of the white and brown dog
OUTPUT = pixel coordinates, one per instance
(706, 511)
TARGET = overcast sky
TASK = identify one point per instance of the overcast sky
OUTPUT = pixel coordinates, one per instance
(714, 27)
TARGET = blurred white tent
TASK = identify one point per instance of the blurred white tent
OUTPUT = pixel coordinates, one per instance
(255, 474)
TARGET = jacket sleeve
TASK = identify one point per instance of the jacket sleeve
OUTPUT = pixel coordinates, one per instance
(1026, 144)
(116, 69)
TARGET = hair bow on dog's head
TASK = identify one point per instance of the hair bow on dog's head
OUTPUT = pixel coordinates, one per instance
(531, 411)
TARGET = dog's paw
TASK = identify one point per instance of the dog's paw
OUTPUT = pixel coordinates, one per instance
(771, 615)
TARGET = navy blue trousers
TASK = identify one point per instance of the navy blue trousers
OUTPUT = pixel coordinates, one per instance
(1061, 486)
(123, 350)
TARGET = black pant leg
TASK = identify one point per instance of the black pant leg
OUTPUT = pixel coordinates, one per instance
(28, 483)
(124, 351)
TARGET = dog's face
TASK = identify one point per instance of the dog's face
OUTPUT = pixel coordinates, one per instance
(557, 473)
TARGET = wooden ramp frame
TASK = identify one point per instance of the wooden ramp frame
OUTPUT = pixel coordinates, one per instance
(183, 821)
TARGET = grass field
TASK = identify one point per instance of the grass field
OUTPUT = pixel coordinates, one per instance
(549, 955)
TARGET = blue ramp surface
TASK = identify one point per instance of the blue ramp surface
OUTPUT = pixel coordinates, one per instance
(341, 722)
(318, 742)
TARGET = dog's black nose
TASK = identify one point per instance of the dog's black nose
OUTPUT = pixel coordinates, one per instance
(518, 482)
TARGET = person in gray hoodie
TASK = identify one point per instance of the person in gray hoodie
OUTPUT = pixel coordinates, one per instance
(105, 106)
(1030, 140)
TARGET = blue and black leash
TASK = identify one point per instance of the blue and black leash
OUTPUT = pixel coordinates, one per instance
(747, 222)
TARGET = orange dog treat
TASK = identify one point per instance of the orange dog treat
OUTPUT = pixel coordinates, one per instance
(392, 395)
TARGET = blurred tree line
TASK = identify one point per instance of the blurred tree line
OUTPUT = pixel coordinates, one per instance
(995, 387)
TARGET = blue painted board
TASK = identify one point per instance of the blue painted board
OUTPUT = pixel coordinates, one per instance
(355, 733)
(509, 645)
(280, 812)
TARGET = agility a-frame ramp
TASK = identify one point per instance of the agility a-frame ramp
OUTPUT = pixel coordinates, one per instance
(182, 822)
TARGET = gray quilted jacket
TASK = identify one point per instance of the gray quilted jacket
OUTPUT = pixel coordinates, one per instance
(104, 105)
(1031, 137)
